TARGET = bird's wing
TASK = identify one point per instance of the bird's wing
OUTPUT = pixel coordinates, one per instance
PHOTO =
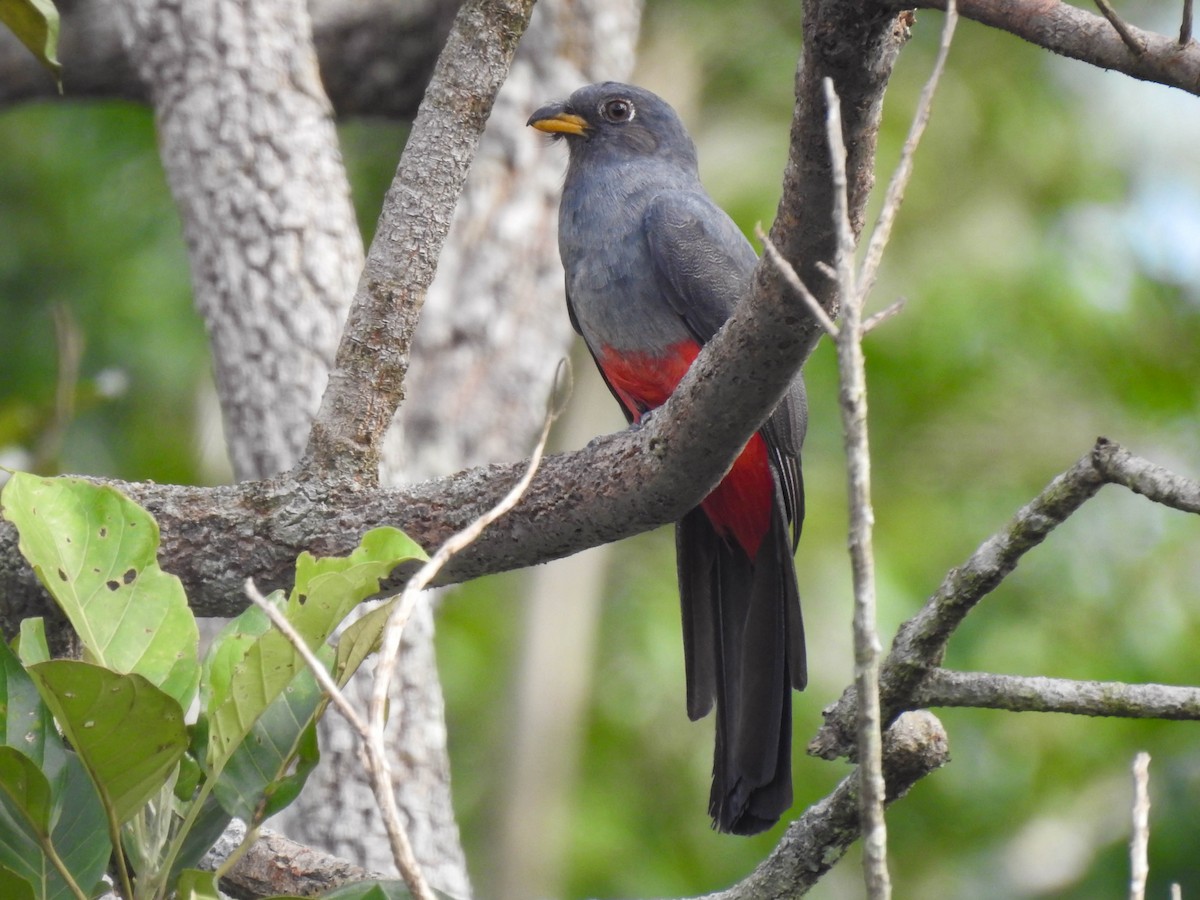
(702, 263)
(701, 260)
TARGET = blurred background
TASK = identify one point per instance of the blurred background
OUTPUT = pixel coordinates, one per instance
(1049, 250)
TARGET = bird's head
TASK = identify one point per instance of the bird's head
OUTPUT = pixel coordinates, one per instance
(617, 121)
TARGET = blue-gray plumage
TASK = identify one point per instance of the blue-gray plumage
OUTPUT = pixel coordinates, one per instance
(653, 269)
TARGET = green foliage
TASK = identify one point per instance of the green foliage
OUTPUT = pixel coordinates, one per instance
(136, 775)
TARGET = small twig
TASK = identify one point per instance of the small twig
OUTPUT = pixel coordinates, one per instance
(900, 177)
(786, 269)
(853, 403)
(279, 620)
(1139, 842)
(826, 269)
(1185, 29)
(1132, 41)
(873, 322)
(68, 338)
(1154, 482)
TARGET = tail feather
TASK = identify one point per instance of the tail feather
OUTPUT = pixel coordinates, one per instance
(744, 649)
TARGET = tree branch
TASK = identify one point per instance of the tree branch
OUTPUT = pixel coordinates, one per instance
(1085, 36)
(920, 643)
(376, 56)
(1017, 693)
(366, 385)
(276, 865)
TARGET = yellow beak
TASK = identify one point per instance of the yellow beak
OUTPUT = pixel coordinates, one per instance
(558, 122)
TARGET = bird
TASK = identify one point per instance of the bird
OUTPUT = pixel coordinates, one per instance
(653, 268)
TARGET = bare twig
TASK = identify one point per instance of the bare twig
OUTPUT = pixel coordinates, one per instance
(1118, 466)
(1185, 28)
(853, 403)
(921, 641)
(793, 280)
(366, 384)
(275, 865)
(869, 270)
(69, 341)
(372, 730)
(854, 287)
(1132, 41)
(1017, 693)
(1139, 842)
(873, 322)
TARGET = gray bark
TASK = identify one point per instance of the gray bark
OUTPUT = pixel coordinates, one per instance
(251, 154)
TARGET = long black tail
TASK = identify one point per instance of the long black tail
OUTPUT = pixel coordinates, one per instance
(744, 649)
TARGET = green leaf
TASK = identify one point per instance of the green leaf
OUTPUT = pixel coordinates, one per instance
(190, 774)
(25, 722)
(128, 733)
(326, 590)
(208, 827)
(80, 836)
(23, 783)
(256, 782)
(14, 887)
(197, 885)
(31, 643)
(95, 551)
(360, 640)
(35, 23)
(283, 791)
(229, 648)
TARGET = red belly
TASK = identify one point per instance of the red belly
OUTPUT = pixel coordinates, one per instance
(738, 507)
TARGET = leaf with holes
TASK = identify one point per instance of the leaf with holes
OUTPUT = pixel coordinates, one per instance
(99, 712)
(328, 587)
(95, 551)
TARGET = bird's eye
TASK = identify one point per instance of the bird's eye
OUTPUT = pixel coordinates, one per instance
(617, 110)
